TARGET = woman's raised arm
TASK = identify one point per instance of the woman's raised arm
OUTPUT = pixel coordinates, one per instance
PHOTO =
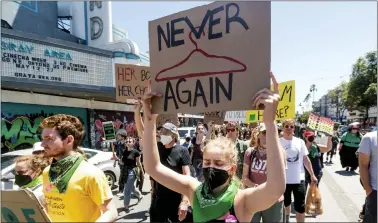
(269, 192)
(182, 184)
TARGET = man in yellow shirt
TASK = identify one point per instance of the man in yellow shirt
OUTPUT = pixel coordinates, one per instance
(75, 190)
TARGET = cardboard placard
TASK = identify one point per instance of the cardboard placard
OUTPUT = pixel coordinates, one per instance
(235, 116)
(217, 117)
(109, 130)
(21, 206)
(162, 119)
(210, 58)
(286, 106)
(131, 81)
(321, 124)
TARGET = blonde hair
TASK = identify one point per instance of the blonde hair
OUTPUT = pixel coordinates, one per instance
(35, 162)
(226, 145)
(288, 121)
(254, 137)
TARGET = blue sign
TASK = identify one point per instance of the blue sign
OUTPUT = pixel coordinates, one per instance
(24, 48)
(59, 55)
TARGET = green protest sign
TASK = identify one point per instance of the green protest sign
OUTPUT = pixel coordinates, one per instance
(109, 130)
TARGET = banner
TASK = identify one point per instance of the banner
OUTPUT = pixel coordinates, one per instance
(21, 206)
(235, 116)
(131, 81)
(109, 130)
(210, 58)
(286, 106)
(321, 124)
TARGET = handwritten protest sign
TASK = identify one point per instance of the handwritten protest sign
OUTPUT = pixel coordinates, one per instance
(21, 206)
(235, 116)
(131, 81)
(286, 106)
(321, 124)
(162, 119)
(217, 117)
(210, 58)
(109, 130)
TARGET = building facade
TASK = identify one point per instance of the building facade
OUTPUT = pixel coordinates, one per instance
(49, 70)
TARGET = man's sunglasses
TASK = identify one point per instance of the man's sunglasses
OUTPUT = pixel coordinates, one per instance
(355, 129)
(289, 126)
(230, 130)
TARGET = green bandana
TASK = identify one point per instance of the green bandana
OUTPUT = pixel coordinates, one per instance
(207, 207)
(61, 171)
(37, 181)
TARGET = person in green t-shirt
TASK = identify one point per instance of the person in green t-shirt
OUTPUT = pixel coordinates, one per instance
(348, 147)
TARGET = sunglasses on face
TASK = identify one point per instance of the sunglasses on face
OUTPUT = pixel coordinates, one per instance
(287, 126)
(230, 130)
(355, 128)
(129, 141)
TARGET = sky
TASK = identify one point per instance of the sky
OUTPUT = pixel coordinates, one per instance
(311, 42)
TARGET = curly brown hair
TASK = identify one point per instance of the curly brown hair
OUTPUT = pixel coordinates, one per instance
(66, 125)
(35, 162)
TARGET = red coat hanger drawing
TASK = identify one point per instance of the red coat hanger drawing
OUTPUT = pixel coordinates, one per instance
(158, 77)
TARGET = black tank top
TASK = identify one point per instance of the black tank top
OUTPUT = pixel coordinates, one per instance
(232, 212)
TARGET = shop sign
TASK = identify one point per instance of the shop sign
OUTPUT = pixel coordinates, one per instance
(25, 60)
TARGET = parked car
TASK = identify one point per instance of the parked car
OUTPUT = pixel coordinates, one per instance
(98, 158)
(186, 131)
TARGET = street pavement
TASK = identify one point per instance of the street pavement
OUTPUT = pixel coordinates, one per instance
(342, 198)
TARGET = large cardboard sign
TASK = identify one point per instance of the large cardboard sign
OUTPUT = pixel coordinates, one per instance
(109, 130)
(235, 116)
(131, 81)
(210, 58)
(162, 119)
(217, 117)
(286, 107)
(21, 206)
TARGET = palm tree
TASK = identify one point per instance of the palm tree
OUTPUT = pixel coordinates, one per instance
(313, 89)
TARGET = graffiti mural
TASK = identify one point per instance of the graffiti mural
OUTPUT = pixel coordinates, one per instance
(20, 124)
(120, 120)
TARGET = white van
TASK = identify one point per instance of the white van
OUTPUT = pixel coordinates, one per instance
(184, 131)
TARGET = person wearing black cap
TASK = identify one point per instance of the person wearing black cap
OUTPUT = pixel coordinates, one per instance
(168, 205)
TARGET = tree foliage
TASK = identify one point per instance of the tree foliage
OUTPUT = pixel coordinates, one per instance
(304, 117)
(362, 89)
(339, 98)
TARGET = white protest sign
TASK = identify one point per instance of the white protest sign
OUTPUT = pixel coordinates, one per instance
(235, 116)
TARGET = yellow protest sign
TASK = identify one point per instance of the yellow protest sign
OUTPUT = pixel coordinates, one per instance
(286, 107)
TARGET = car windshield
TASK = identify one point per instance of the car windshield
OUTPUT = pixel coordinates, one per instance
(182, 133)
(90, 154)
(7, 160)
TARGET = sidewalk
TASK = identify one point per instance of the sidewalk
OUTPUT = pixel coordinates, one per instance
(342, 195)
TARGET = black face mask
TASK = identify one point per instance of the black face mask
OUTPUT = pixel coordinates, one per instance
(22, 180)
(311, 138)
(214, 177)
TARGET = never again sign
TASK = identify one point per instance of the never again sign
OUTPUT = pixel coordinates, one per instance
(286, 106)
(210, 58)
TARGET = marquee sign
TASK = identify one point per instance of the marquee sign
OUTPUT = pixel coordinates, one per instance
(27, 60)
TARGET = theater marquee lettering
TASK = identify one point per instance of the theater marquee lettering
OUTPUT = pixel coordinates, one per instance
(22, 59)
